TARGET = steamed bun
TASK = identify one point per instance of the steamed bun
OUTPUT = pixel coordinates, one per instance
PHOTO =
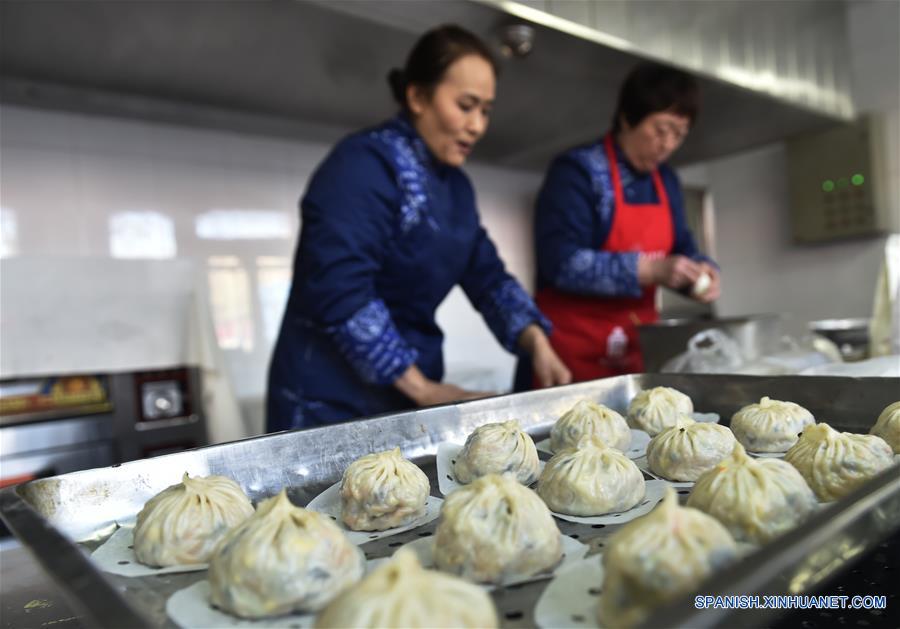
(183, 523)
(888, 426)
(494, 528)
(653, 559)
(590, 479)
(590, 418)
(656, 409)
(835, 463)
(687, 449)
(382, 491)
(401, 593)
(283, 559)
(756, 499)
(770, 425)
(498, 448)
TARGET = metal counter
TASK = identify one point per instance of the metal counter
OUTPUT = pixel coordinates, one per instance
(50, 515)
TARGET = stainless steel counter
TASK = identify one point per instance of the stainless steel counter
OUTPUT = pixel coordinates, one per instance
(28, 597)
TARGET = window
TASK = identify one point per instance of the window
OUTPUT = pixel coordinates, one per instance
(229, 296)
(141, 234)
(243, 225)
(273, 285)
(9, 233)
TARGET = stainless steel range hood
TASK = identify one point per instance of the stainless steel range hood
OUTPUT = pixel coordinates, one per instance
(316, 69)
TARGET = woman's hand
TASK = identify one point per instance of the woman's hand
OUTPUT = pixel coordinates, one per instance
(673, 272)
(549, 370)
(424, 392)
(714, 290)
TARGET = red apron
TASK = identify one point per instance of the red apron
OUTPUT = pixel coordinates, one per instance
(597, 337)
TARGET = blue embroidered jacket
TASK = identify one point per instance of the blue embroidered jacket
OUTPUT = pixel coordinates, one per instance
(386, 233)
(574, 216)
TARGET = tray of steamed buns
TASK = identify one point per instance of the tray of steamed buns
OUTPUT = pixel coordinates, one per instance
(591, 511)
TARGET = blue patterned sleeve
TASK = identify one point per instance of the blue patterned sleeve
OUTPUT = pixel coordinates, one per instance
(573, 217)
(372, 345)
(506, 307)
(346, 223)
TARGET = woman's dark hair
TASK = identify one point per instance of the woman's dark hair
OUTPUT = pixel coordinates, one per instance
(429, 59)
(651, 87)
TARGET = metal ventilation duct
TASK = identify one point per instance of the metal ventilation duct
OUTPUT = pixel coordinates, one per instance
(797, 50)
(316, 69)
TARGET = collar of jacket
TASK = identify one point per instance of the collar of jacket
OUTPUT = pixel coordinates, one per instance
(403, 124)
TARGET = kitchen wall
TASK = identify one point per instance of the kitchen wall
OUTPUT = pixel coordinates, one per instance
(77, 186)
(763, 271)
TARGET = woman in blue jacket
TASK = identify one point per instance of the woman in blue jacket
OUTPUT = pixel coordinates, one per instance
(389, 227)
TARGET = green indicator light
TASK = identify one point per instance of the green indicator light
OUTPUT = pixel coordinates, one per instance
(828, 185)
(857, 180)
(842, 182)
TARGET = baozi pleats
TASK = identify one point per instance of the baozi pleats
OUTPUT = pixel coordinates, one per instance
(756, 499)
(687, 449)
(589, 479)
(590, 418)
(281, 560)
(183, 523)
(654, 410)
(493, 528)
(888, 426)
(498, 449)
(770, 425)
(401, 593)
(835, 463)
(655, 558)
(382, 491)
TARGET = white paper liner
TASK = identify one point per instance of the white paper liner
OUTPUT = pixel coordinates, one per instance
(706, 418)
(446, 456)
(767, 455)
(329, 503)
(190, 608)
(116, 556)
(571, 598)
(644, 466)
(573, 551)
(655, 490)
(636, 449)
(780, 455)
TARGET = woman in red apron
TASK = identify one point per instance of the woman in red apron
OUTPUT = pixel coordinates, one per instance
(610, 228)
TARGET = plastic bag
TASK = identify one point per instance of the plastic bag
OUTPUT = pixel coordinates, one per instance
(795, 356)
(884, 331)
(714, 351)
(709, 351)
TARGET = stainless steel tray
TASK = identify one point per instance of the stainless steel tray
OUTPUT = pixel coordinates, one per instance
(60, 518)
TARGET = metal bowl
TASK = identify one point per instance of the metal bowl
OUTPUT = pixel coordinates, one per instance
(850, 335)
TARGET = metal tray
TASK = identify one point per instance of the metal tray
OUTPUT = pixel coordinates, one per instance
(60, 518)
